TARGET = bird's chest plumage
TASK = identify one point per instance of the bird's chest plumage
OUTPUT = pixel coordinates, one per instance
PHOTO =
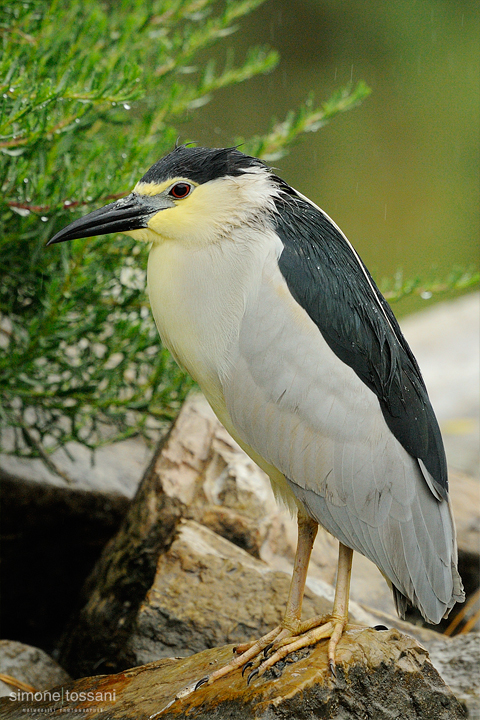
(199, 297)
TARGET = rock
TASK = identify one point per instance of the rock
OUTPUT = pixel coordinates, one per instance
(112, 469)
(221, 487)
(28, 665)
(465, 494)
(446, 342)
(208, 592)
(147, 600)
(458, 662)
(379, 675)
(226, 491)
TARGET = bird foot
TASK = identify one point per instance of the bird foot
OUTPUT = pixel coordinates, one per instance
(304, 635)
(262, 654)
(245, 654)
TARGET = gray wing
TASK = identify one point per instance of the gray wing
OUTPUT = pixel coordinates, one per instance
(303, 410)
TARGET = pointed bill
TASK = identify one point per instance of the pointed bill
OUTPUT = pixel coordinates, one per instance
(129, 213)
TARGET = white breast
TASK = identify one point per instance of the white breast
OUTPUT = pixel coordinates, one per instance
(198, 299)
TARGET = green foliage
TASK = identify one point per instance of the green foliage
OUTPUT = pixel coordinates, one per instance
(91, 95)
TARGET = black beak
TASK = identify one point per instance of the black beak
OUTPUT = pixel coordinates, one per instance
(129, 213)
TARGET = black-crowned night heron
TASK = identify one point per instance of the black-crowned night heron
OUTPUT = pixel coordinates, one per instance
(261, 298)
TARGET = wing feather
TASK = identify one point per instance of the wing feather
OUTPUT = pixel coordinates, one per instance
(309, 415)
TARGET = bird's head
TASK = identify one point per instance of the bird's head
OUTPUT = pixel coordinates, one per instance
(193, 195)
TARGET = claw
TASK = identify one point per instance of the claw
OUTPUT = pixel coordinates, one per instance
(267, 649)
(246, 667)
(331, 666)
(252, 675)
(202, 681)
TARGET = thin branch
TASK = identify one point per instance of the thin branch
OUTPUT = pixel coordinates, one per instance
(33, 442)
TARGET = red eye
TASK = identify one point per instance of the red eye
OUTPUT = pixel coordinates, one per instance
(180, 190)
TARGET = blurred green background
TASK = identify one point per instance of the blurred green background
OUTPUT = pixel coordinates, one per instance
(400, 174)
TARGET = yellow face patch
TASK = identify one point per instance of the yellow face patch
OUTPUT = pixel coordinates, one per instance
(199, 219)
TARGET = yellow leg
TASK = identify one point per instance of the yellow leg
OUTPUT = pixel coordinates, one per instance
(340, 603)
(318, 628)
(307, 532)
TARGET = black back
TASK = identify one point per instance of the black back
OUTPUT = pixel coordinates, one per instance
(331, 283)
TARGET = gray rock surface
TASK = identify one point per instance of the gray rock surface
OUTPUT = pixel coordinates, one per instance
(28, 665)
(204, 589)
(112, 469)
(457, 660)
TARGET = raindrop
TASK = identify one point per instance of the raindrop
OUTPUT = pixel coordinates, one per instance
(127, 106)
(11, 89)
(23, 212)
(25, 180)
(77, 120)
(67, 203)
(114, 103)
(426, 295)
(44, 218)
(124, 155)
(5, 96)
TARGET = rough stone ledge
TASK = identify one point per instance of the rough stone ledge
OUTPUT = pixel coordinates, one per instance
(380, 675)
